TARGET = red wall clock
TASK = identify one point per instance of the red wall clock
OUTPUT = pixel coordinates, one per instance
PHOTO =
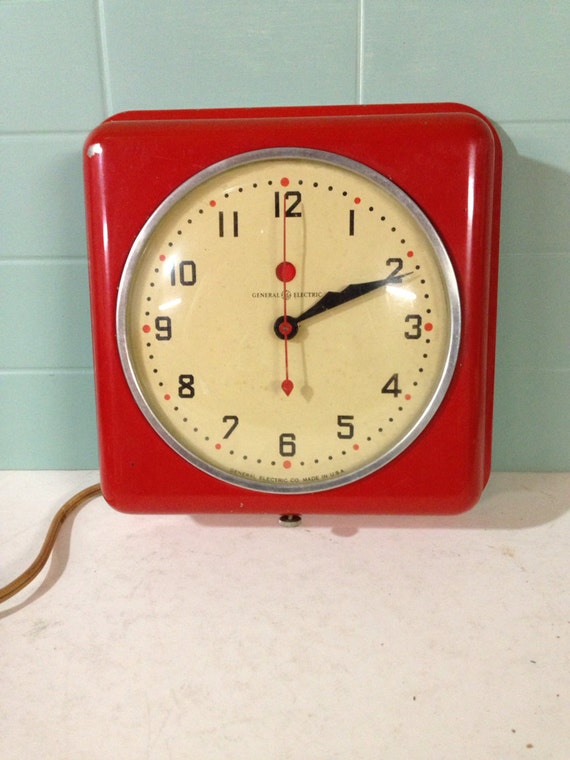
(294, 308)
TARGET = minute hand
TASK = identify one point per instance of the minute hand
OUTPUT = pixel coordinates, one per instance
(334, 298)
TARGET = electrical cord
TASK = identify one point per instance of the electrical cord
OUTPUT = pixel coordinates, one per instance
(60, 517)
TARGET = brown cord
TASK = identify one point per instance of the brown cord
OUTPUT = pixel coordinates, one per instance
(61, 515)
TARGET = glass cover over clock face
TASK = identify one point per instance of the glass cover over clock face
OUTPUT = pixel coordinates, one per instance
(288, 320)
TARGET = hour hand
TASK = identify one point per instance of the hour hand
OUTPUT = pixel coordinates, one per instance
(334, 298)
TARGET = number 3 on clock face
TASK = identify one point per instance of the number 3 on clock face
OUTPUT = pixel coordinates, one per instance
(289, 324)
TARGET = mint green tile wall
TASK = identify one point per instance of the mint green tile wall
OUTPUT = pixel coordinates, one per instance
(66, 64)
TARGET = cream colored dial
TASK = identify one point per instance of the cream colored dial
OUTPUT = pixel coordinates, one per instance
(288, 320)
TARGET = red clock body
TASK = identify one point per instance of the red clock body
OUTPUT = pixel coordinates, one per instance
(446, 157)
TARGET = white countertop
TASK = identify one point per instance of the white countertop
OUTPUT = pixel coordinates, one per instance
(221, 637)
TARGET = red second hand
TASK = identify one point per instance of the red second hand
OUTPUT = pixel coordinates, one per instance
(287, 384)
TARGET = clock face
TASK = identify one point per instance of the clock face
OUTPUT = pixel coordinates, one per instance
(288, 320)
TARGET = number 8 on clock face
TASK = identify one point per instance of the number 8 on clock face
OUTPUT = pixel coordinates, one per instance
(289, 323)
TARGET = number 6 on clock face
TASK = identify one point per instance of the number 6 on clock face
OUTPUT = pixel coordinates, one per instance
(289, 324)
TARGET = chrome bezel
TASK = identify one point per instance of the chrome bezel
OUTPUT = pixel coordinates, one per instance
(448, 276)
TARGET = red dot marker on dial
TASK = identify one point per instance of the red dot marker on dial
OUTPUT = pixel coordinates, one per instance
(285, 271)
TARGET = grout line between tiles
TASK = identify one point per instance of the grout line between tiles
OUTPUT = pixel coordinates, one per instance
(360, 52)
(104, 59)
